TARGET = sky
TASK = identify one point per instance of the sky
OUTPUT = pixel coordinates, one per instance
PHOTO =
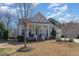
(62, 12)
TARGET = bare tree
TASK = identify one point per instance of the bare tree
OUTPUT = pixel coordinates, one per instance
(64, 29)
(8, 19)
(25, 11)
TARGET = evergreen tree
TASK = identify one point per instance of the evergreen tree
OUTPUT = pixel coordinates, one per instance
(53, 33)
(3, 32)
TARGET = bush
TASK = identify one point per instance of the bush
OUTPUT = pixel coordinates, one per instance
(53, 33)
(58, 40)
(20, 38)
(62, 36)
(1, 36)
(70, 40)
(5, 35)
(78, 37)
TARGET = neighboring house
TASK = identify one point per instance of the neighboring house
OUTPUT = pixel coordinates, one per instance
(70, 30)
(38, 26)
(12, 33)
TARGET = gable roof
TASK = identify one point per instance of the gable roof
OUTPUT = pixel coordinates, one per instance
(39, 18)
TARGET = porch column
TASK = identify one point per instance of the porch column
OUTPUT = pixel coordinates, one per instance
(27, 30)
(48, 31)
(35, 33)
(34, 29)
(42, 33)
(20, 30)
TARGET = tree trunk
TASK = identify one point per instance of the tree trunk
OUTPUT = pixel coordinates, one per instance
(25, 39)
(65, 36)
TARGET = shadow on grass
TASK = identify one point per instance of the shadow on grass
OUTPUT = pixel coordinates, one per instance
(14, 42)
(11, 53)
(3, 41)
(21, 49)
(29, 41)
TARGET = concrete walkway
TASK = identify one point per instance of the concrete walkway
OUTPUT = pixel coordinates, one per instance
(75, 40)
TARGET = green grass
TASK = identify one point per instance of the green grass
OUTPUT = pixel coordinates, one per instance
(5, 51)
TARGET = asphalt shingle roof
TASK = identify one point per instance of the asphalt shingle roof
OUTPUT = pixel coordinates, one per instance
(39, 18)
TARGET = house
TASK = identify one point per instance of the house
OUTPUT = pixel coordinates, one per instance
(12, 33)
(38, 27)
(70, 30)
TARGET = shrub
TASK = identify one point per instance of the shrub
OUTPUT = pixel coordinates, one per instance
(58, 40)
(20, 38)
(53, 33)
(78, 37)
(70, 40)
(5, 35)
(1, 36)
(62, 36)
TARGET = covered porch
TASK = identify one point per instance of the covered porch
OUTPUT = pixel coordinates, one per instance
(37, 31)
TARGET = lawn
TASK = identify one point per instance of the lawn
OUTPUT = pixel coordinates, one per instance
(45, 48)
